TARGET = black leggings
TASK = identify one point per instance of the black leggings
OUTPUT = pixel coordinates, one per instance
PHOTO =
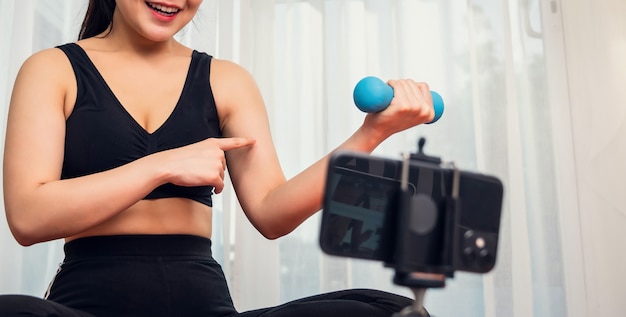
(168, 276)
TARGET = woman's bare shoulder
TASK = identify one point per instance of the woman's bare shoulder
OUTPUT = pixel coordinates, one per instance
(45, 78)
(225, 69)
(229, 77)
(234, 89)
(51, 62)
(49, 56)
(231, 80)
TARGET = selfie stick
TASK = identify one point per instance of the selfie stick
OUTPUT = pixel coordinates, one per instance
(371, 94)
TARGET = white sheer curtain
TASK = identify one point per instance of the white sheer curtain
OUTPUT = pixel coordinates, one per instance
(488, 58)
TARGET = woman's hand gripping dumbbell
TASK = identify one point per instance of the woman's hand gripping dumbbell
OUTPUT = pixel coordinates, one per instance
(371, 94)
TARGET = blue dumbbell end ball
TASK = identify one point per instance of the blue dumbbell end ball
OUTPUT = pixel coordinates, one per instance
(372, 94)
(437, 105)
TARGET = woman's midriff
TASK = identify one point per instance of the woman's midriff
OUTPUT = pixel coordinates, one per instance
(157, 216)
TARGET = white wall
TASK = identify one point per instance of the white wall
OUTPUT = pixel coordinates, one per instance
(595, 45)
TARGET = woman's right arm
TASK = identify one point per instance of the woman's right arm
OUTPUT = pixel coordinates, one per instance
(42, 207)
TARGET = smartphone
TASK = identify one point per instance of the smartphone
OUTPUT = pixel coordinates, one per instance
(361, 218)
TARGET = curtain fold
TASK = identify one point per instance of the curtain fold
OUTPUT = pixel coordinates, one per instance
(485, 57)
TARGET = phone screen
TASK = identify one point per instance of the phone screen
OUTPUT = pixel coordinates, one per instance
(357, 205)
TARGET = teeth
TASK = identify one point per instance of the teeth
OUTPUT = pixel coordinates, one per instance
(162, 8)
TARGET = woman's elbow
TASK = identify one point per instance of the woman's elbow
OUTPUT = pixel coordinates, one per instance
(273, 228)
(23, 231)
(24, 238)
(272, 235)
(273, 232)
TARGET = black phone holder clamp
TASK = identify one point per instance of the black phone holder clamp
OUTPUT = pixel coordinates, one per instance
(426, 226)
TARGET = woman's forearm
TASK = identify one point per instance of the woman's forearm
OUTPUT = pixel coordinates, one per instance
(61, 208)
(290, 204)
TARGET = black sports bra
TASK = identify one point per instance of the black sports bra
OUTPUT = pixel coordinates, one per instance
(101, 134)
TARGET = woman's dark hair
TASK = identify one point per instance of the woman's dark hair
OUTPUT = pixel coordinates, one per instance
(98, 18)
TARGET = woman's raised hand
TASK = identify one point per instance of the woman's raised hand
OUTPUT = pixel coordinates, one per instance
(411, 105)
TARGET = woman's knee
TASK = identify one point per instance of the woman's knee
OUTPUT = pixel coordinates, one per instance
(20, 305)
(24, 305)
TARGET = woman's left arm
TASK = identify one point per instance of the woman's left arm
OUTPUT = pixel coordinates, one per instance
(276, 206)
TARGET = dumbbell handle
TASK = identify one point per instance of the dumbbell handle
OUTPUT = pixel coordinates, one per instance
(371, 94)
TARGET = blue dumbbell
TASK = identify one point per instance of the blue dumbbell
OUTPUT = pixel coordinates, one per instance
(371, 94)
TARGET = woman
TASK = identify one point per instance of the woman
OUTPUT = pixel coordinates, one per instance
(116, 143)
